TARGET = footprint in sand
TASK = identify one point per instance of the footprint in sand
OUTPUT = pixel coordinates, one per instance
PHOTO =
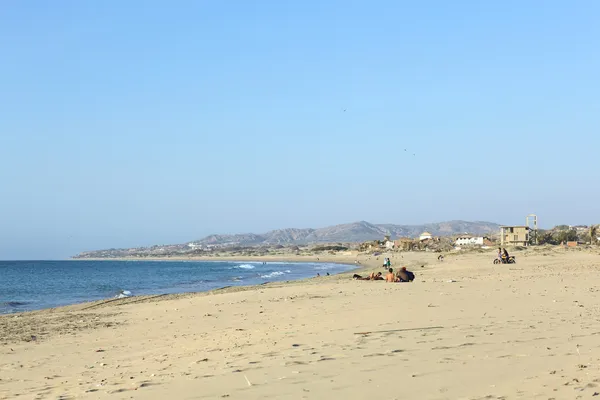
(326, 359)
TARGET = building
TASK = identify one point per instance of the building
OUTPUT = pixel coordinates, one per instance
(389, 245)
(514, 235)
(471, 241)
(425, 236)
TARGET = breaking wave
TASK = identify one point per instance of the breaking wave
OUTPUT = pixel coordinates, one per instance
(244, 266)
(123, 294)
(275, 273)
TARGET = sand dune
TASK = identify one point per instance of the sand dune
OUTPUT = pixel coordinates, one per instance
(465, 329)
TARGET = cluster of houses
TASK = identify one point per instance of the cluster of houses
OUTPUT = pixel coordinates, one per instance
(512, 236)
(426, 240)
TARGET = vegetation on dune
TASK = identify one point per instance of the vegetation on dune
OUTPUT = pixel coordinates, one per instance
(561, 234)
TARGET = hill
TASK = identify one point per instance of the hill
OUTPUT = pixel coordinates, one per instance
(353, 232)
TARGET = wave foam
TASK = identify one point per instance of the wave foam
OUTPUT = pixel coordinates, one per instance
(324, 267)
(123, 294)
(244, 266)
(275, 273)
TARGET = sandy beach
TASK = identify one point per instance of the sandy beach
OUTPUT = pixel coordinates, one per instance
(465, 329)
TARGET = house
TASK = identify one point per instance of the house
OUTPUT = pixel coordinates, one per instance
(389, 245)
(514, 235)
(425, 236)
(467, 240)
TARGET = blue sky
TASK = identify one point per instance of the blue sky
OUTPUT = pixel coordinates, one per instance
(144, 122)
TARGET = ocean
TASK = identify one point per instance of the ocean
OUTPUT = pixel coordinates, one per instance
(33, 285)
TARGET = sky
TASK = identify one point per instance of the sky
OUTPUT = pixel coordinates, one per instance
(130, 123)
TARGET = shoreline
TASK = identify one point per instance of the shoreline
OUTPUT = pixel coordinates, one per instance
(352, 268)
(272, 258)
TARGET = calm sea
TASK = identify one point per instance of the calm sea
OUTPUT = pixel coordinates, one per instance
(32, 285)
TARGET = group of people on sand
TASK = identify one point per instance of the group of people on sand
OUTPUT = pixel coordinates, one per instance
(403, 275)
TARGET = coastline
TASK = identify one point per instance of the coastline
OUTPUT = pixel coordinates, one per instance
(367, 264)
(335, 259)
(464, 329)
(350, 267)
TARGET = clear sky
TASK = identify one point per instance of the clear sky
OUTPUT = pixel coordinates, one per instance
(126, 123)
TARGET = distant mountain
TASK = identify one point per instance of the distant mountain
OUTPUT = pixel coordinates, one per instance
(354, 232)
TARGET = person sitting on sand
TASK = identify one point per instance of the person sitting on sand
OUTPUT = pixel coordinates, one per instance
(405, 276)
(390, 277)
(377, 277)
(373, 277)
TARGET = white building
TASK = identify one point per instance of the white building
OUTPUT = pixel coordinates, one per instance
(389, 245)
(425, 236)
(470, 241)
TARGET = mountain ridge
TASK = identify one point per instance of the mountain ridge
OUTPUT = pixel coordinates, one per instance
(352, 232)
(359, 231)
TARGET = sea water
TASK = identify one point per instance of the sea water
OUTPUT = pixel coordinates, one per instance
(32, 285)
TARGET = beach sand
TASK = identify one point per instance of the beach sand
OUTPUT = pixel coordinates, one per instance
(465, 329)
